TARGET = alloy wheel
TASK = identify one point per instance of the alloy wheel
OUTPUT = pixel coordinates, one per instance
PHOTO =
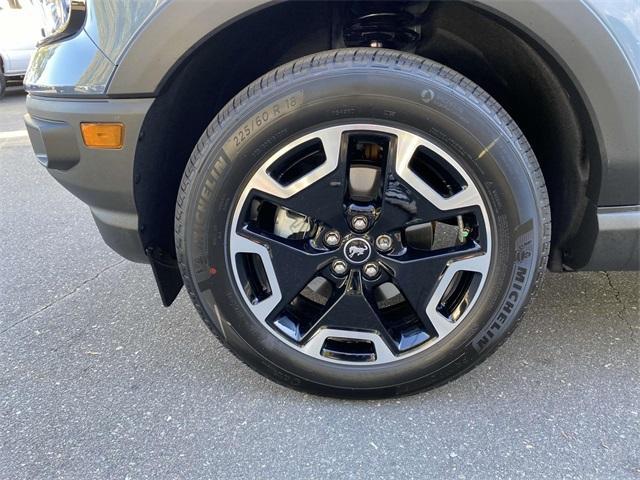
(360, 244)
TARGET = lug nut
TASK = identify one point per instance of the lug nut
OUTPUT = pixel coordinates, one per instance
(359, 223)
(384, 243)
(331, 238)
(370, 270)
(339, 267)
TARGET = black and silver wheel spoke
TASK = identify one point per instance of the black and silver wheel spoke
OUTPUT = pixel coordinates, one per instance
(360, 243)
(350, 312)
(424, 280)
(421, 186)
(314, 189)
(292, 265)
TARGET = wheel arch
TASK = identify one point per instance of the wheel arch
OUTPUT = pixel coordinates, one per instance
(221, 59)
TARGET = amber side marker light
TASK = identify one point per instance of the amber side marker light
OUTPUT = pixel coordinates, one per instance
(102, 135)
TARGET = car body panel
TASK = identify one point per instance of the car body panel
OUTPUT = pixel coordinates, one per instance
(87, 73)
(102, 178)
(622, 18)
(163, 41)
(112, 37)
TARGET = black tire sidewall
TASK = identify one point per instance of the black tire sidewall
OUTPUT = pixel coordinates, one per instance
(458, 122)
(3, 84)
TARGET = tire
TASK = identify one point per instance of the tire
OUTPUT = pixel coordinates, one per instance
(398, 96)
(3, 83)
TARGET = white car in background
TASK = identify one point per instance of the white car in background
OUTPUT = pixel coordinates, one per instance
(20, 31)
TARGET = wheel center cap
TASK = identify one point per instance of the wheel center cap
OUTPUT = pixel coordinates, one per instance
(357, 250)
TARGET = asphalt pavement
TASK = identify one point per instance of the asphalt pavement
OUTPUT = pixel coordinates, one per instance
(98, 380)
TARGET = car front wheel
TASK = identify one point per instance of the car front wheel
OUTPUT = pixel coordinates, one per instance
(362, 223)
(3, 83)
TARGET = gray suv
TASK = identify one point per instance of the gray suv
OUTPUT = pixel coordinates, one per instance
(360, 198)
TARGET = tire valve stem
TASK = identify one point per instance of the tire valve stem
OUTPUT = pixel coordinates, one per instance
(463, 231)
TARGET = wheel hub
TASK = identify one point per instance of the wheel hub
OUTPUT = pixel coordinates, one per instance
(357, 250)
